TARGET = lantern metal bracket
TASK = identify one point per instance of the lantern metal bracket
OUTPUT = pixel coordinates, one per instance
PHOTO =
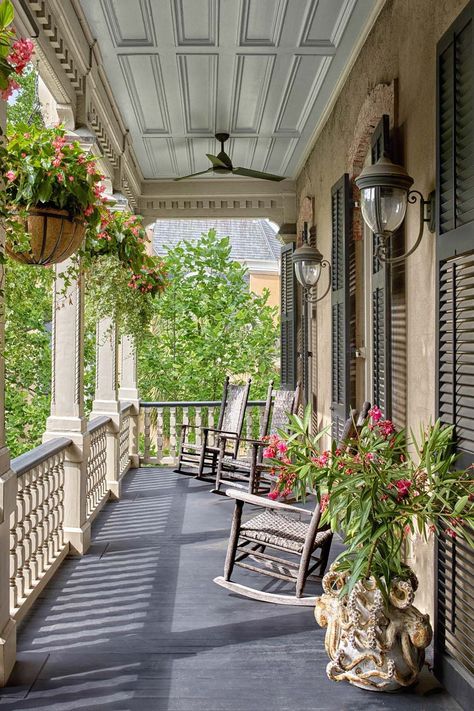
(310, 294)
(427, 216)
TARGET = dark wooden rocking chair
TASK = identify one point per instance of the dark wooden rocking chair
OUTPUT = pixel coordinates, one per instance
(247, 472)
(289, 530)
(231, 420)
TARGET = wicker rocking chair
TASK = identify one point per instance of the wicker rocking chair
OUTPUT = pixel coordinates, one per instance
(231, 420)
(250, 472)
(289, 532)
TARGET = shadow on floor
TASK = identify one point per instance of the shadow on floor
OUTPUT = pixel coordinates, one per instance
(138, 623)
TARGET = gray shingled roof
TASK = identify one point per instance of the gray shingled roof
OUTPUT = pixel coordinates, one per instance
(250, 239)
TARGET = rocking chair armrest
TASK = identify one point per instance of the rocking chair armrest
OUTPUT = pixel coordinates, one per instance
(265, 503)
(223, 433)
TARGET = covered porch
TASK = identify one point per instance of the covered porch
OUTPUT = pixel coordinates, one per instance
(137, 623)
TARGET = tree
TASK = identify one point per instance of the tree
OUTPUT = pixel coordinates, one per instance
(207, 325)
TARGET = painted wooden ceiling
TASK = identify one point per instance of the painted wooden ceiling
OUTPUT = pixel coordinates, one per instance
(261, 70)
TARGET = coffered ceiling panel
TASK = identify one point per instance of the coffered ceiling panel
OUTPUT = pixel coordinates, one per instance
(261, 70)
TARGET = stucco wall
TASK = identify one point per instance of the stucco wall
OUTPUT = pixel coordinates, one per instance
(400, 47)
(259, 282)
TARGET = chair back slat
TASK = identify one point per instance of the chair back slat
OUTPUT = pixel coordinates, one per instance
(285, 403)
(234, 409)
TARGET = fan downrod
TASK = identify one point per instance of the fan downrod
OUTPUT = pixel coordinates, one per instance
(222, 138)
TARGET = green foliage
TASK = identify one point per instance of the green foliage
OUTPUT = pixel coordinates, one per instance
(28, 303)
(26, 109)
(206, 325)
(378, 489)
(41, 168)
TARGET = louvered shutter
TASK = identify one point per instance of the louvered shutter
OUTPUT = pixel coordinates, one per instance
(455, 398)
(288, 318)
(380, 297)
(340, 305)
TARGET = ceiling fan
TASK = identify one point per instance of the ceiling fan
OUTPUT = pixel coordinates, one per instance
(222, 164)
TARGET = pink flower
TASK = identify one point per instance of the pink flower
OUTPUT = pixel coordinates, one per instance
(23, 155)
(403, 487)
(91, 168)
(60, 178)
(369, 457)
(273, 495)
(20, 55)
(57, 162)
(10, 176)
(269, 453)
(282, 447)
(386, 428)
(71, 178)
(323, 504)
(375, 414)
(58, 143)
(89, 210)
(81, 159)
(451, 532)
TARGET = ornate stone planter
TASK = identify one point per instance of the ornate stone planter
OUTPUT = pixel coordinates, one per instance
(370, 644)
(53, 237)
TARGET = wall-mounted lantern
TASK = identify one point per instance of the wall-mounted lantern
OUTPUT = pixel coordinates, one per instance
(384, 195)
(308, 263)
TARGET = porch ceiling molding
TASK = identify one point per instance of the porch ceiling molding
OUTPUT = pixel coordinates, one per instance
(219, 198)
(155, 79)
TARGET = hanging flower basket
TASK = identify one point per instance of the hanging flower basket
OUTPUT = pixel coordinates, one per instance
(54, 236)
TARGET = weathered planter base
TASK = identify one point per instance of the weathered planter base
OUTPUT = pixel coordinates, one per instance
(53, 237)
(372, 645)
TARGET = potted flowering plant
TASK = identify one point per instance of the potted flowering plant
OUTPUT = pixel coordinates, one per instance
(380, 488)
(15, 55)
(121, 278)
(50, 197)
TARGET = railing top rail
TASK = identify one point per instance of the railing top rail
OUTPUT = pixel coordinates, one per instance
(98, 422)
(22, 464)
(196, 403)
(124, 406)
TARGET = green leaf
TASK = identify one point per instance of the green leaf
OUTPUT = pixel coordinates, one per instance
(461, 503)
(7, 14)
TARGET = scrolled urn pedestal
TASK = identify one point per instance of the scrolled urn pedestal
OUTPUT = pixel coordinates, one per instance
(372, 645)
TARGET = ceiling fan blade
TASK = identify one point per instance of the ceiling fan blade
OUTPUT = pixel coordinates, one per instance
(217, 161)
(257, 174)
(192, 175)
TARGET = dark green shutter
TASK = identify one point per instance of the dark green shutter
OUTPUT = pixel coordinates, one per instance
(380, 297)
(340, 304)
(454, 657)
(288, 318)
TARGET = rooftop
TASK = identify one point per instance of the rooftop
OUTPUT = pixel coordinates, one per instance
(250, 239)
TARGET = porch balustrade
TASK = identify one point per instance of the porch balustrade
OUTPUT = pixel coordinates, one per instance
(37, 543)
(161, 422)
(97, 464)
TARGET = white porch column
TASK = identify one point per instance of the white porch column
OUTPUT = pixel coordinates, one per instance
(106, 401)
(7, 501)
(128, 392)
(67, 404)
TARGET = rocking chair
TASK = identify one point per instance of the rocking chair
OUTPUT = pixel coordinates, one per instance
(248, 472)
(231, 419)
(277, 528)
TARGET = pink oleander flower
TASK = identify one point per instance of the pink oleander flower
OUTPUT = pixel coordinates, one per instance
(324, 502)
(81, 159)
(10, 176)
(451, 532)
(282, 447)
(273, 495)
(386, 428)
(369, 457)
(375, 413)
(269, 453)
(91, 168)
(403, 488)
(89, 210)
(60, 178)
(71, 178)
(20, 55)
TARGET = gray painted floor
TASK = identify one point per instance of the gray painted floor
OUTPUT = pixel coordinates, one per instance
(138, 623)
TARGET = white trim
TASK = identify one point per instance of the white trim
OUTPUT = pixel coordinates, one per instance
(338, 87)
